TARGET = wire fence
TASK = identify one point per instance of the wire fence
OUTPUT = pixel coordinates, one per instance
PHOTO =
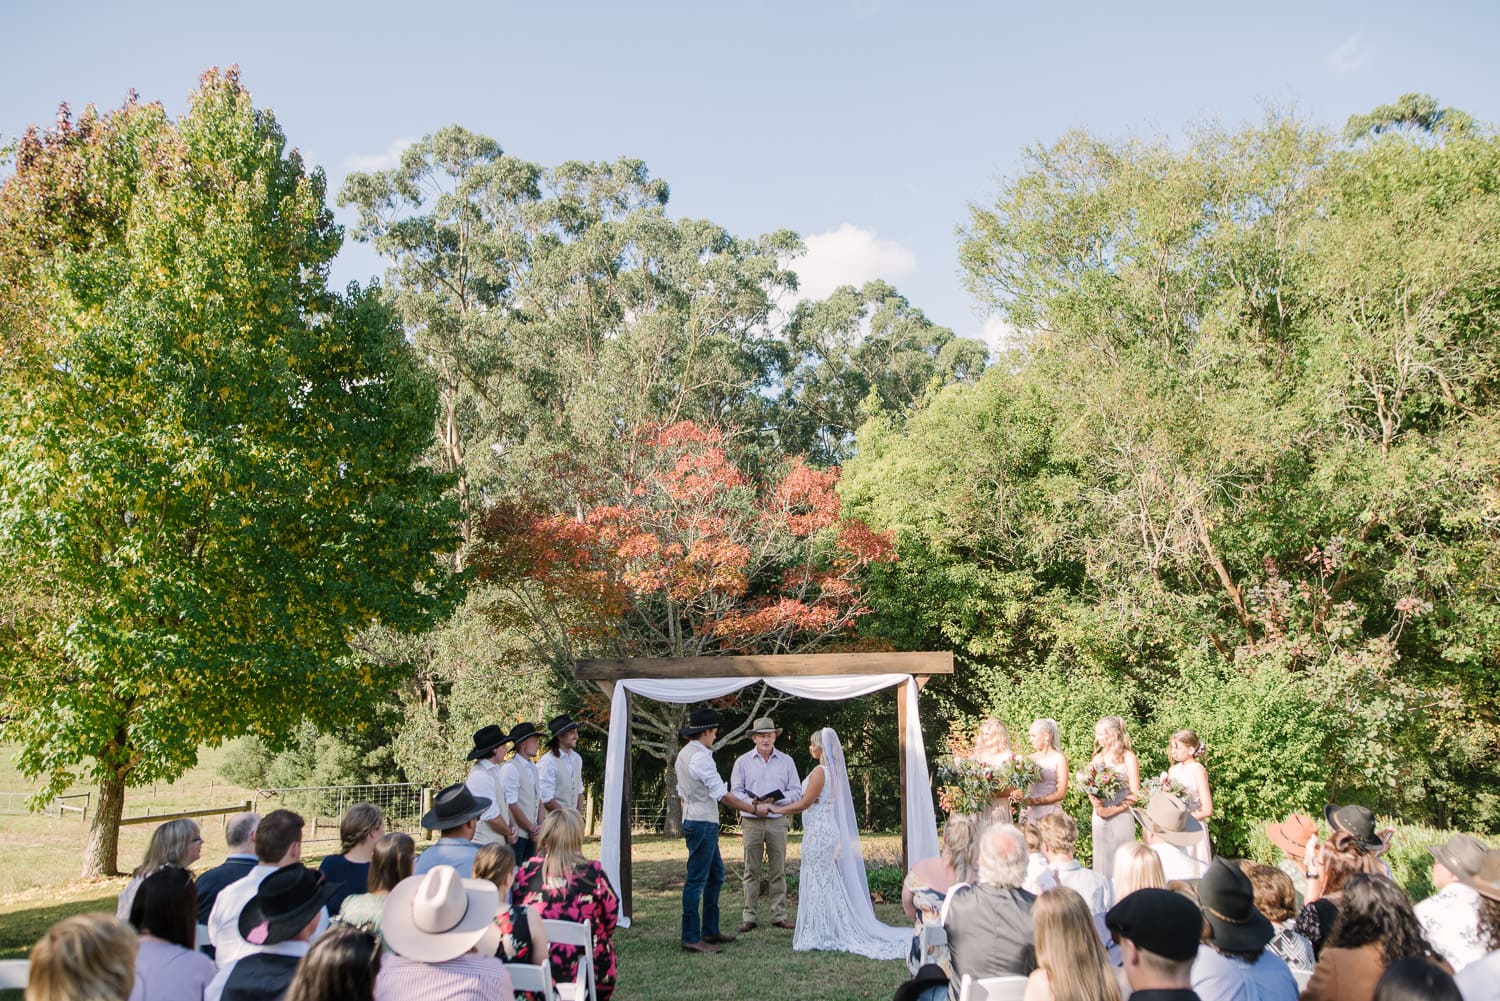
(322, 806)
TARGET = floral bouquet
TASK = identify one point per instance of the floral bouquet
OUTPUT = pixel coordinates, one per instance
(1024, 773)
(1163, 783)
(967, 786)
(1098, 780)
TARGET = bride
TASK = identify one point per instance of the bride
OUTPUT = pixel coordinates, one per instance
(833, 896)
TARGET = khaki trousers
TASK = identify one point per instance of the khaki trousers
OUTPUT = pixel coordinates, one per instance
(766, 837)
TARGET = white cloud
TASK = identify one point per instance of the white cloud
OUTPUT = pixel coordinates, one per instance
(999, 335)
(849, 255)
(383, 160)
(1350, 57)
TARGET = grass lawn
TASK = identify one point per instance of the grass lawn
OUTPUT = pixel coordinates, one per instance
(652, 966)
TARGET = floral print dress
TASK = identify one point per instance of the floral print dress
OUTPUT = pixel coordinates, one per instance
(584, 896)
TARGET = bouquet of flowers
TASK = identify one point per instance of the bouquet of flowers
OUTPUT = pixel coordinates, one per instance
(1163, 783)
(966, 785)
(1024, 773)
(1099, 781)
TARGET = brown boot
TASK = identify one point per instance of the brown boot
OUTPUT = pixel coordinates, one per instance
(746, 926)
(699, 947)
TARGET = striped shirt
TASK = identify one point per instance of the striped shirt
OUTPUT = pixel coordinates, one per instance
(470, 977)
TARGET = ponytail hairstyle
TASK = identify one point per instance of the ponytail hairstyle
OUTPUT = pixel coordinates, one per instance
(1189, 739)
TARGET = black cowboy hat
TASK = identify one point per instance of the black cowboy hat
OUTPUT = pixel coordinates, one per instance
(283, 905)
(700, 720)
(1357, 822)
(559, 725)
(929, 975)
(1228, 902)
(521, 731)
(486, 739)
(454, 807)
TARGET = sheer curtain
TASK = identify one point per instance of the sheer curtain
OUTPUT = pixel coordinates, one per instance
(920, 820)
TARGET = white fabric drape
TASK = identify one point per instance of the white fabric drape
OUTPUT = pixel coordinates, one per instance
(920, 819)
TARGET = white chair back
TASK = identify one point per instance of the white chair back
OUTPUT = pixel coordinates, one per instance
(992, 989)
(581, 934)
(13, 974)
(532, 979)
(202, 936)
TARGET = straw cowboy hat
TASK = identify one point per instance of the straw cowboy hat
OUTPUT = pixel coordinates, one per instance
(1167, 817)
(438, 915)
(764, 725)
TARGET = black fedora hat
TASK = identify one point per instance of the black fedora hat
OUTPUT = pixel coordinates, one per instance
(700, 720)
(453, 807)
(486, 739)
(1356, 821)
(283, 904)
(1228, 901)
(928, 975)
(559, 725)
(521, 731)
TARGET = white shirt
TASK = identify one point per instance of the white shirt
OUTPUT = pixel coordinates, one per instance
(215, 989)
(560, 778)
(1038, 876)
(1176, 863)
(224, 919)
(1450, 918)
(1480, 980)
(484, 780)
(519, 787)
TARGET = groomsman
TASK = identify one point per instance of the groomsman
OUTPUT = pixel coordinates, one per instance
(518, 783)
(483, 781)
(560, 772)
(759, 773)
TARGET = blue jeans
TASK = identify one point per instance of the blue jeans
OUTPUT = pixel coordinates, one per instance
(705, 875)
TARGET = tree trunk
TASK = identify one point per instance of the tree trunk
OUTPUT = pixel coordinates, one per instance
(672, 824)
(101, 857)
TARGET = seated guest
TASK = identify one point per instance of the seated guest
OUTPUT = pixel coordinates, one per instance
(278, 843)
(276, 925)
(1137, 867)
(1158, 932)
(1450, 917)
(1071, 962)
(1038, 876)
(348, 873)
(928, 883)
(560, 883)
(989, 923)
(455, 815)
(1376, 927)
(340, 966)
(1339, 858)
(1059, 833)
(165, 916)
(239, 834)
(1416, 980)
(1164, 825)
(88, 956)
(1275, 898)
(433, 922)
(1359, 823)
(930, 983)
(390, 863)
(1297, 837)
(523, 937)
(177, 842)
(1233, 963)
(1480, 980)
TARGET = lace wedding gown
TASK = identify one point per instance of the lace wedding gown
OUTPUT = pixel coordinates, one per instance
(833, 896)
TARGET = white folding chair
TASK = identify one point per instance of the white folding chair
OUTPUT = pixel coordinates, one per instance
(531, 978)
(991, 989)
(201, 936)
(560, 932)
(13, 974)
(1302, 977)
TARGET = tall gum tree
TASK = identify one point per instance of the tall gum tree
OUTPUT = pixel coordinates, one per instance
(209, 463)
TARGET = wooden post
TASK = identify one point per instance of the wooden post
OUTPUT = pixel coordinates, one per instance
(626, 809)
(901, 752)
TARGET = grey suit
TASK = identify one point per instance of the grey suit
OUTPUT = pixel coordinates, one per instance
(990, 932)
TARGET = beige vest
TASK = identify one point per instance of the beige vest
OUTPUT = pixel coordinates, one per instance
(697, 804)
(569, 778)
(526, 795)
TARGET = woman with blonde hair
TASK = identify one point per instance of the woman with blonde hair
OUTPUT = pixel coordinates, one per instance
(88, 957)
(927, 885)
(1113, 823)
(177, 842)
(560, 883)
(1186, 752)
(362, 825)
(1071, 964)
(1137, 867)
(1046, 794)
(992, 747)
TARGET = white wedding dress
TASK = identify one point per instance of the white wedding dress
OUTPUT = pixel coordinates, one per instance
(833, 894)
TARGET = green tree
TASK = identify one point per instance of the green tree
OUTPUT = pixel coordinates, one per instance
(211, 477)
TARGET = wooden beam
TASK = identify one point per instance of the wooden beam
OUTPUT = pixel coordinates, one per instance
(180, 814)
(775, 666)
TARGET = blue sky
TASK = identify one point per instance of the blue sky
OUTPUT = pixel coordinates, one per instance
(867, 126)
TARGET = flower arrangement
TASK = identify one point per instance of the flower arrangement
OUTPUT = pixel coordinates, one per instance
(1099, 781)
(967, 786)
(1024, 773)
(1163, 783)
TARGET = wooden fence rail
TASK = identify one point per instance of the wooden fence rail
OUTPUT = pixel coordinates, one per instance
(210, 812)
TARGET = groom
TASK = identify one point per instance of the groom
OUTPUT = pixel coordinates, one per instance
(702, 790)
(765, 774)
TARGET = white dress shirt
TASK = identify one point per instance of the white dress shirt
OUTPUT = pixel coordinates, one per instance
(484, 780)
(1450, 918)
(224, 920)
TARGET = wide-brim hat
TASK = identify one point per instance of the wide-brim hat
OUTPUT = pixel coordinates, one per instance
(284, 903)
(438, 915)
(1228, 902)
(1292, 834)
(1356, 821)
(1487, 880)
(523, 731)
(699, 721)
(928, 975)
(453, 807)
(1167, 817)
(486, 739)
(764, 725)
(559, 725)
(1462, 854)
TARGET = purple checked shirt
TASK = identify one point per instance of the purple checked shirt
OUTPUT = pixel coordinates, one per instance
(755, 776)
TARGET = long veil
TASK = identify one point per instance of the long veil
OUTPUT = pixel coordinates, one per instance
(849, 858)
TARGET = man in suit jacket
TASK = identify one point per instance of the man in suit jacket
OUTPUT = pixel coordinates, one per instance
(989, 927)
(240, 834)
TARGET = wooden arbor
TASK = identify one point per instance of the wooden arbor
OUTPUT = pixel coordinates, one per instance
(606, 673)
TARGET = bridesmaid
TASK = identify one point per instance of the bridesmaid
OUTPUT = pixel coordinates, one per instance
(992, 747)
(1184, 748)
(1045, 794)
(1114, 824)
